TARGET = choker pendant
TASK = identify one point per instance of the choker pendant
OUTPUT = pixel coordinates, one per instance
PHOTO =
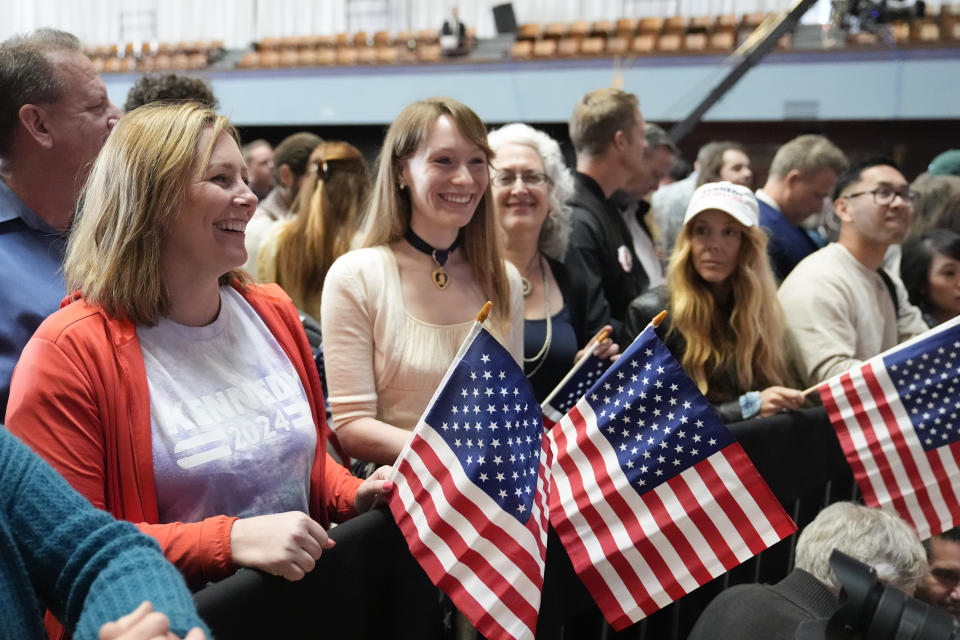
(439, 275)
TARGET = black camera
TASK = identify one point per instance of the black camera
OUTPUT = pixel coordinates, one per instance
(871, 610)
(870, 15)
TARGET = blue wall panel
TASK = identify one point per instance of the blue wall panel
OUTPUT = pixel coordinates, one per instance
(869, 85)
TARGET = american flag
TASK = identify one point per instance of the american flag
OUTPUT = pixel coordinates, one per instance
(896, 417)
(576, 383)
(472, 488)
(652, 497)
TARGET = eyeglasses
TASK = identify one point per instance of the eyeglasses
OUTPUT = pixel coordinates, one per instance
(885, 195)
(529, 178)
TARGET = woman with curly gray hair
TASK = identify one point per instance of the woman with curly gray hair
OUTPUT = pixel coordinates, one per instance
(531, 186)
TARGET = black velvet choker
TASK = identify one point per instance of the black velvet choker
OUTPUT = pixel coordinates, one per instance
(440, 276)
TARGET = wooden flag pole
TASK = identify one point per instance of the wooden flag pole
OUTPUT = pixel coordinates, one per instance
(484, 312)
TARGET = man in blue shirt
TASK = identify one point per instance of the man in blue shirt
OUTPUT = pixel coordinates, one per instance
(54, 117)
(801, 179)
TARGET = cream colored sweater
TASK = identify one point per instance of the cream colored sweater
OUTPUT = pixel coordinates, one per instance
(839, 313)
(381, 362)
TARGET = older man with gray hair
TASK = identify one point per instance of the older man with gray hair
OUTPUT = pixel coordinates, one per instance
(54, 117)
(876, 538)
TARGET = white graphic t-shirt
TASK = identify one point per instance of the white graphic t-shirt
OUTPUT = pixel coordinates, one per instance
(231, 425)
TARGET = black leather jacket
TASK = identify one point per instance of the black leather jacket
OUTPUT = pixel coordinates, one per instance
(642, 310)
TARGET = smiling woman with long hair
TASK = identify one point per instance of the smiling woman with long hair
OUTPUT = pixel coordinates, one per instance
(725, 325)
(173, 393)
(394, 312)
(298, 252)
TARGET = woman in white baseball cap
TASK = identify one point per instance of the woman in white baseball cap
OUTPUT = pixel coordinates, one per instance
(725, 325)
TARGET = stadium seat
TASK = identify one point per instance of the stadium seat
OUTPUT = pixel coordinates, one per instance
(164, 62)
(695, 42)
(626, 27)
(600, 29)
(522, 50)
(618, 45)
(346, 56)
(427, 37)
(326, 56)
(568, 47)
(546, 48)
(387, 54)
(700, 24)
(644, 43)
(429, 53)
(722, 40)
(181, 61)
(268, 44)
(669, 42)
(924, 30)
(307, 58)
(593, 46)
(650, 26)
(674, 24)
(555, 30)
(529, 31)
(578, 29)
(289, 57)
(366, 55)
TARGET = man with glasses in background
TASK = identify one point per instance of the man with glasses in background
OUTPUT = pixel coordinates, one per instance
(841, 306)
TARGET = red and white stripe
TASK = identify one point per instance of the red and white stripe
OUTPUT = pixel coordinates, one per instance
(489, 564)
(638, 551)
(889, 463)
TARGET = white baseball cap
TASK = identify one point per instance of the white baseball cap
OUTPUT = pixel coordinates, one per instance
(730, 198)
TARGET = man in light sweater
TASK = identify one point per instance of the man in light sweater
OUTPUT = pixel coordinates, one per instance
(841, 306)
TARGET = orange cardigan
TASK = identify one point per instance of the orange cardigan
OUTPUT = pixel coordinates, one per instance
(79, 398)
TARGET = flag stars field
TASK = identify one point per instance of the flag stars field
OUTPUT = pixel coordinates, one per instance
(627, 406)
(921, 376)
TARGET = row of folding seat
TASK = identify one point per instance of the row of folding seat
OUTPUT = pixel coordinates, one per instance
(620, 46)
(627, 28)
(623, 37)
(344, 56)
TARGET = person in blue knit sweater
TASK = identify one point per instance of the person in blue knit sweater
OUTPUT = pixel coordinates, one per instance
(101, 578)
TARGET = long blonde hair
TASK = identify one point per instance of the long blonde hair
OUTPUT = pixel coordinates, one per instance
(327, 214)
(133, 193)
(388, 214)
(751, 340)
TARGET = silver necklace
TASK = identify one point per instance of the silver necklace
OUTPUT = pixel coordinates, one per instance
(542, 354)
(524, 280)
